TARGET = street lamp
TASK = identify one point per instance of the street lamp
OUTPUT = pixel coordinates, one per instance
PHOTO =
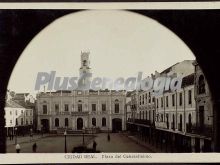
(16, 135)
(65, 141)
(83, 136)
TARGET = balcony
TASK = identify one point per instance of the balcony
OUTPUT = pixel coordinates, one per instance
(180, 127)
(62, 113)
(205, 130)
(81, 113)
(189, 127)
(142, 121)
(173, 126)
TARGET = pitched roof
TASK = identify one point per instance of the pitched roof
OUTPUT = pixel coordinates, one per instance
(13, 104)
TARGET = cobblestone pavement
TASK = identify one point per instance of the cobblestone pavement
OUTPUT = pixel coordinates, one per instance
(119, 143)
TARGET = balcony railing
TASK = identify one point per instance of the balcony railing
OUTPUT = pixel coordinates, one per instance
(80, 113)
(173, 126)
(205, 130)
(180, 127)
(142, 121)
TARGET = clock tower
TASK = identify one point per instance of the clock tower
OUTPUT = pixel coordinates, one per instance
(85, 63)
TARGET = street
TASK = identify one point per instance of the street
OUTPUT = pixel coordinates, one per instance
(55, 144)
(118, 143)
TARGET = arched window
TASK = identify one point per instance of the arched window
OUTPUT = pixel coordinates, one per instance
(103, 121)
(66, 122)
(190, 119)
(181, 122)
(56, 122)
(201, 83)
(79, 106)
(116, 106)
(173, 123)
(94, 121)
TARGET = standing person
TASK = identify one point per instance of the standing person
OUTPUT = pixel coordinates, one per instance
(31, 134)
(94, 146)
(34, 147)
(18, 148)
(9, 134)
(12, 135)
(42, 131)
(108, 137)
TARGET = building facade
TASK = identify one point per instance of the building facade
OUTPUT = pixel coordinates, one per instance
(19, 117)
(175, 121)
(77, 110)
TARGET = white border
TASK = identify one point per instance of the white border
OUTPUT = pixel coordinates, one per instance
(98, 157)
(116, 158)
(112, 5)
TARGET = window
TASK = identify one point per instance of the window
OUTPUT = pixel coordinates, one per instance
(140, 100)
(16, 112)
(10, 113)
(21, 111)
(16, 121)
(143, 99)
(57, 122)
(66, 107)
(146, 97)
(161, 101)
(22, 122)
(146, 115)
(157, 103)
(103, 121)
(173, 123)
(103, 107)
(79, 107)
(180, 99)
(94, 121)
(173, 99)
(181, 123)
(10, 121)
(30, 112)
(44, 109)
(153, 100)
(57, 107)
(149, 98)
(30, 122)
(26, 122)
(66, 122)
(167, 101)
(161, 117)
(189, 97)
(116, 106)
(201, 86)
(93, 107)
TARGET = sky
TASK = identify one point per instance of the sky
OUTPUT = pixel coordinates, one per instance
(121, 44)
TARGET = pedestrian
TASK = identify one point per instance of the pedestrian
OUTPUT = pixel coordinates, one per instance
(12, 135)
(108, 137)
(9, 134)
(18, 148)
(31, 134)
(94, 146)
(34, 147)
